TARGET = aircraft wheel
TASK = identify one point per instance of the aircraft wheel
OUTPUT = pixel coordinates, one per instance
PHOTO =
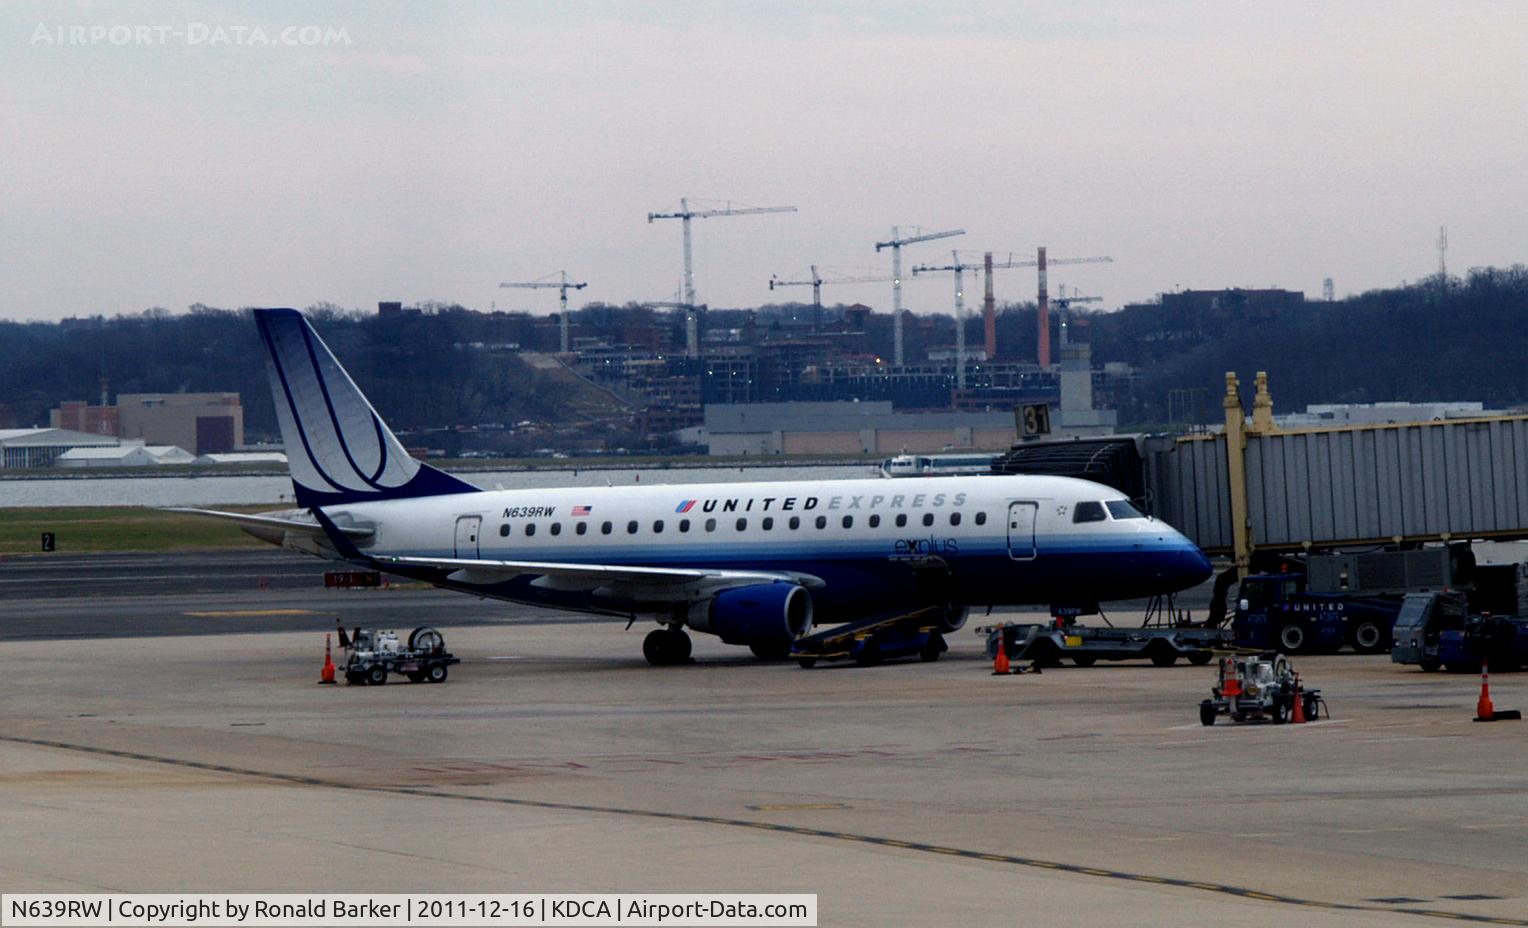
(665, 646)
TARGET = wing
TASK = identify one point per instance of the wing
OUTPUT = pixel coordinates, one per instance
(638, 583)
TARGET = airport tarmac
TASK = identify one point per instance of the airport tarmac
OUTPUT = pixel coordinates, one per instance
(555, 759)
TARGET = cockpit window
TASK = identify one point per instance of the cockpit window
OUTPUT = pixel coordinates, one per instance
(1121, 509)
(1088, 512)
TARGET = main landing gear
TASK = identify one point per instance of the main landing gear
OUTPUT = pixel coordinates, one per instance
(665, 646)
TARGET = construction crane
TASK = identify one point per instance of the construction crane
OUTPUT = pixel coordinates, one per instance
(895, 244)
(685, 214)
(1063, 303)
(1043, 301)
(692, 313)
(816, 282)
(959, 268)
(563, 286)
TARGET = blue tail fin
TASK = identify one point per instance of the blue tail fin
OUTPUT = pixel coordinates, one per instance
(338, 449)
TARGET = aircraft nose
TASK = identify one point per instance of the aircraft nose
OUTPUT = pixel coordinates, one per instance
(1191, 567)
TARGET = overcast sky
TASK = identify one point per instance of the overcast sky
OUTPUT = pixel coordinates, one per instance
(428, 152)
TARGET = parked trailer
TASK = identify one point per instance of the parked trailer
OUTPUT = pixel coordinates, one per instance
(1049, 644)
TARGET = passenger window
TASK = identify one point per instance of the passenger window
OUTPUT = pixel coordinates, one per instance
(1121, 509)
(556, 528)
(768, 523)
(605, 529)
(901, 519)
(981, 518)
(530, 528)
(928, 518)
(710, 525)
(848, 521)
(657, 526)
(822, 521)
(631, 527)
(1088, 512)
(954, 518)
(684, 525)
(583, 527)
(875, 521)
(795, 523)
(504, 530)
(742, 524)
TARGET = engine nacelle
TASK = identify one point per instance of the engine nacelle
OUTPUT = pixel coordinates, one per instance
(761, 614)
(954, 619)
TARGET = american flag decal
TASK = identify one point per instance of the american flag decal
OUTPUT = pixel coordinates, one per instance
(685, 506)
(582, 510)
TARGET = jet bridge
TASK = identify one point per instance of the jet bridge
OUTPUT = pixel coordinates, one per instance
(1254, 486)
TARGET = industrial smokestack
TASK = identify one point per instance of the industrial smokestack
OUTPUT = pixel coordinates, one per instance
(989, 314)
(1043, 302)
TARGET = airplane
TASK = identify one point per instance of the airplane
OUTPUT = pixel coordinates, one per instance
(756, 564)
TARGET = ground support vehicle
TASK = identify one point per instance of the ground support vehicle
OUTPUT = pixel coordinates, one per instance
(1436, 630)
(878, 638)
(1049, 644)
(1276, 611)
(373, 654)
(1261, 687)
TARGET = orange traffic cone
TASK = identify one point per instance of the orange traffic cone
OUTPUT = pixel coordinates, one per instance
(326, 675)
(1298, 716)
(1000, 660)
(1484, 711)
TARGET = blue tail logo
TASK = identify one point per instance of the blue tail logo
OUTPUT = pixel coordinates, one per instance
(338, 448)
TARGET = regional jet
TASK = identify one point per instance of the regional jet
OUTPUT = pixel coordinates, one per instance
(755, 564)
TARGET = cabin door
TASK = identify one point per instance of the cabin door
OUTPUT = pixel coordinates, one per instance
(467, 536)
(1021, 530)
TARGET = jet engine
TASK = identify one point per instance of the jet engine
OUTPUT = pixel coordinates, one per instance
(765, 616)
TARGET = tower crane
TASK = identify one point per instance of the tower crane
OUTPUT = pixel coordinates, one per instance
(959, 268)
(895, 244)
(1043, 301)
(685, 215)
(1064, 303)
(816, 282)
(563, 286)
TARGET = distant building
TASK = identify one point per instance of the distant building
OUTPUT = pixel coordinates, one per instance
(1340, 414)
(849, 428)
(41, 447)
(243, 457)
(127, 454)
(80, 416)
(203, 422)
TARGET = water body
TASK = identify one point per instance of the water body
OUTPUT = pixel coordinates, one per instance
(172, 490)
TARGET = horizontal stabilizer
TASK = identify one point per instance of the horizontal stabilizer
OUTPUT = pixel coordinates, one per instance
(274, 523)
